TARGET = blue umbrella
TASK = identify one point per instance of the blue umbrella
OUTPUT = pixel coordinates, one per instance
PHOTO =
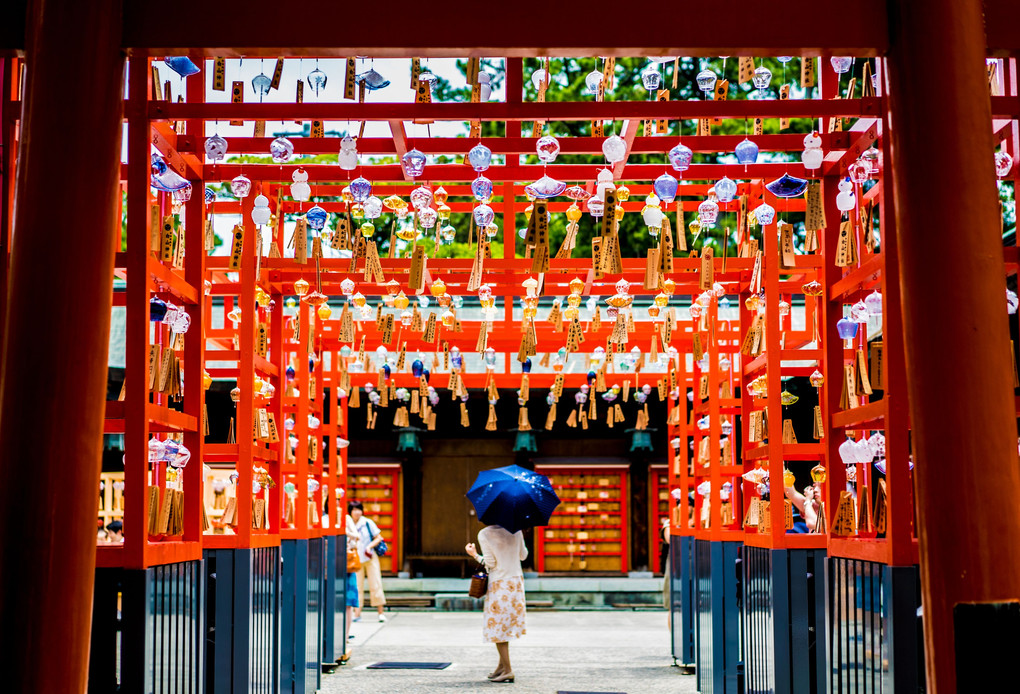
(513, 497)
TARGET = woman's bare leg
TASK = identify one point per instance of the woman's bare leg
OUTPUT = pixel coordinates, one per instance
(347, 628)
(499, 666)
(504, 657)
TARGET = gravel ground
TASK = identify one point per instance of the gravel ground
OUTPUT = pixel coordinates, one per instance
(618, 651)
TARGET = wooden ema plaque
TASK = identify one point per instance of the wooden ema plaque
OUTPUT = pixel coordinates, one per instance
(662, 125)
(787, 258)
(416, 276)
(721, 93)
(540, 217)
(846, 248)
(784, 95)
(844, 523)
(814, 218)
(236, 247)
(764, 518)
(610, 260)
(881, 509)
(707, 275)
(350, 73)
(219, 75)
(788, 434)
(753, 516)
(864, 513)
(807, 72)
(299, 241)
(588, 531)
(166, 245)
(262, 340)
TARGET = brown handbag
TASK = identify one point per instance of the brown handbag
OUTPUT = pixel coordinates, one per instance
(479, 584)
(353, 561)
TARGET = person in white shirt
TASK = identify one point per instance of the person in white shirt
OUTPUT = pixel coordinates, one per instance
(369, 538)
(502, 554)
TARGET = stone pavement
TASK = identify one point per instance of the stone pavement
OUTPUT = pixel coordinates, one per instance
(604, 651)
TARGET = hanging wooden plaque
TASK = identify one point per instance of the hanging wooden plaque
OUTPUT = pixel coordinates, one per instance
(807, 72)
(350, 73)
(237, 97)
(219, 83)
(784, 95)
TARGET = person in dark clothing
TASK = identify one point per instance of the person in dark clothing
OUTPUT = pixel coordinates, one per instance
(664, 546)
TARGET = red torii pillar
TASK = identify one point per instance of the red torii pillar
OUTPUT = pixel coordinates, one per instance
(53, 379)
(959, 372)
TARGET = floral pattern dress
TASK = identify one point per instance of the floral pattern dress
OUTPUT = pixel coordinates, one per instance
(504, 616)
(504, 610)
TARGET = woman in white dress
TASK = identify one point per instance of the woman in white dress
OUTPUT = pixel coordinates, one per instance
(502, 554)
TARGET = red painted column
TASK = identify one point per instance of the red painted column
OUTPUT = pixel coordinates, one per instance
(53, 379)
(954, 321)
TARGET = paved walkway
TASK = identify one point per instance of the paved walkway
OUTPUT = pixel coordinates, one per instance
(618, 651)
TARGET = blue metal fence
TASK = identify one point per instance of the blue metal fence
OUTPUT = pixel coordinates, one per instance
(152, 642)
(874, 628)
(334, 586)
(314, 608)
(301, 657)
(243, 629)
(784, 611)
(681, 598)
(717, 604)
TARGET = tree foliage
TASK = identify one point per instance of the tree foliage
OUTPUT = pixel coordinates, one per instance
(567, 83)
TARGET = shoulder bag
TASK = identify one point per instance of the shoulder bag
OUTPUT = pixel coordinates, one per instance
(382, 548)
(353, 560)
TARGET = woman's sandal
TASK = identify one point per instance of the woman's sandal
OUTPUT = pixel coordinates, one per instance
(505, 678)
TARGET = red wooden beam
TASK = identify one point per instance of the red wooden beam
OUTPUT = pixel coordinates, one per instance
(526, 111)
(399, 144)
(660, 144)
(630, 129)
(435, 173)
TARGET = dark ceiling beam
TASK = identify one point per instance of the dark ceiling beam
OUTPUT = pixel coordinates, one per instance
(327, 28)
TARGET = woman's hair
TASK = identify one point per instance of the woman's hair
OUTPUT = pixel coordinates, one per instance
(354, 504)
(115, 526)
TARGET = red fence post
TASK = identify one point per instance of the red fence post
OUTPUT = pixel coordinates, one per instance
(53, 384)
(961, 401)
